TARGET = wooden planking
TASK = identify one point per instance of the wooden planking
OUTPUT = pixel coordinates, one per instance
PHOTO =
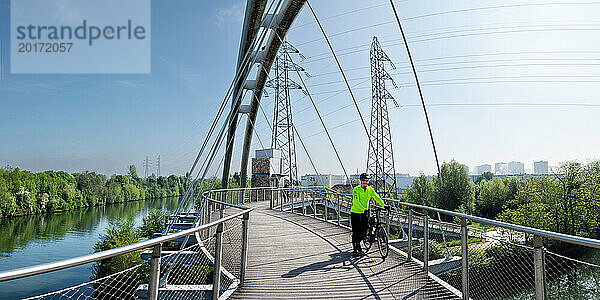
(293, 256)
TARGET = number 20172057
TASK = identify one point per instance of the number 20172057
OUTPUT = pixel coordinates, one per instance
(45, 47)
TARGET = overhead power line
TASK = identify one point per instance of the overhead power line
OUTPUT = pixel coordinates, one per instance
(319, 114)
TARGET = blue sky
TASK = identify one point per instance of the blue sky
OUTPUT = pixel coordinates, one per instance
(520, 71)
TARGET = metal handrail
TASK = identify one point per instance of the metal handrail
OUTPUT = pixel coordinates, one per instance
(582, 241)
(77, 261)
(540, 232)
(538, 250)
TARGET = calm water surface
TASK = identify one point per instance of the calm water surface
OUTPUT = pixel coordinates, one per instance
(32, 240)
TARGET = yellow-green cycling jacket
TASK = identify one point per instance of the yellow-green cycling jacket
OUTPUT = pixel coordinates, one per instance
(361, 197)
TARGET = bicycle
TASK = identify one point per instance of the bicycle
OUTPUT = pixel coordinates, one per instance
(376, 232)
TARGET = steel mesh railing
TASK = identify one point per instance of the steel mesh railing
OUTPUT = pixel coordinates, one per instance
(503, 262)
(494, 259)
(218, 242)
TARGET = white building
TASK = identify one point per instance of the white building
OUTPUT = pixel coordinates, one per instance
(500, 168)
(482, 169)
(540, 167)
(515, 168)
(322, 179)
(466, 168)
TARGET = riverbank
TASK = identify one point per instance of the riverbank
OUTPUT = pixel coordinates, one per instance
(33, 240)
(25, 193)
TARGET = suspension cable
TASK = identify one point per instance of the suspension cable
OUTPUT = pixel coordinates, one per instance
(244, 71)
(420, 91)
(305, 149)
(337, 61)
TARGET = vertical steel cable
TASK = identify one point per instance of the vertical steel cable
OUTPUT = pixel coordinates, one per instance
(420, 91)
(337, 61)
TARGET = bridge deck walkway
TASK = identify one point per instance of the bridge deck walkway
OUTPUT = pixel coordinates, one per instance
(298, 257)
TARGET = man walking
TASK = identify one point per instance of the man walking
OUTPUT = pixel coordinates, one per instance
(359, 214)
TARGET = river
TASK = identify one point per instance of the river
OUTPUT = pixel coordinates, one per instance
(33, 240)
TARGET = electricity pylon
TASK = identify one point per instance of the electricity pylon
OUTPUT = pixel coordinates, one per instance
(158, 167)
(147, 164)
(283, 132)
(380, 161)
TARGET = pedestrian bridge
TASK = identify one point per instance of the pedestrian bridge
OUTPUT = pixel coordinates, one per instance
(299, 257)
(259, 243)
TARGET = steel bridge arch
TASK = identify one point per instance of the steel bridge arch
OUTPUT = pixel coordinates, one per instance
(280, 23)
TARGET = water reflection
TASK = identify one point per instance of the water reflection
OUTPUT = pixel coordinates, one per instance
(32, 240)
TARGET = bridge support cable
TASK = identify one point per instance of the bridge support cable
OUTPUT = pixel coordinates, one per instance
(305, 150)
(206, 167)
(254, 9)
(299, 138)
(414, 69)
(412, 64)
(319, 115)
(247, 62)
(285, 17)
(337, 61)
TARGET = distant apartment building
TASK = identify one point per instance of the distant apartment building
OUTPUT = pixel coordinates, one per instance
(466, 168)
(482, 169)
(402, 180)
(540, 167)
(515, 168)
(501, 168)
(322, 179)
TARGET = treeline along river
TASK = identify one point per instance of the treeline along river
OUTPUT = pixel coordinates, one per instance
(31, 240)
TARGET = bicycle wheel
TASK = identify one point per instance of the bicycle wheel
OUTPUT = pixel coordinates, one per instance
(382, 242)
(367, 241)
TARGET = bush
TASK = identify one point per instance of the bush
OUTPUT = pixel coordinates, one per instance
(119, 233)
(436, 251)
(154, 222)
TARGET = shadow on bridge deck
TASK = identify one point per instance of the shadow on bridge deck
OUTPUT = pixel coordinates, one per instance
(293, 256)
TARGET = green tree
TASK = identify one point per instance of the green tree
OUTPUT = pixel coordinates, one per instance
(118, 234)
(154, 222)
(133, 172)
(456, 191)
(492, 196)
(420, 191)
(485, 176)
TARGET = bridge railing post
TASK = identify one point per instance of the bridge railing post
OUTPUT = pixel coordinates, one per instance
(271, 198)
(217, 264)
(280, 199)
(154, 272)
(303, 203)
(464, 242)
(293, 194)
(387, 222)
(314, 204)
(244, 247)
(221, 209)
(325, 206)
(410, 233)
(426, 243)
(539, 265)
(339, 209)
